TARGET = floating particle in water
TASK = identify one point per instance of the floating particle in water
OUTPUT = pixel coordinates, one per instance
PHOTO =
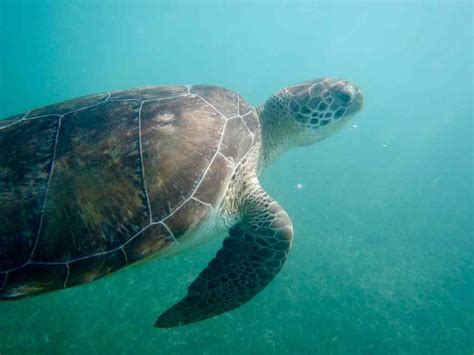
(384, 145)
(354, 126)
(299, 186)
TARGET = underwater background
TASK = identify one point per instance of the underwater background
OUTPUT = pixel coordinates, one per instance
(382, 260)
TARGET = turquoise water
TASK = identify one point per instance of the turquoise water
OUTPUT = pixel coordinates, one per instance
(382, 257)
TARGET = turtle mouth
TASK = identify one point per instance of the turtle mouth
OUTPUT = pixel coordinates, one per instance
(348, 98)
(357, 101)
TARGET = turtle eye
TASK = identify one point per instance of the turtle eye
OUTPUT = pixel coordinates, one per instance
(343, 96)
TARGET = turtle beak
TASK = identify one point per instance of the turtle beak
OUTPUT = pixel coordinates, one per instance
(356, 98)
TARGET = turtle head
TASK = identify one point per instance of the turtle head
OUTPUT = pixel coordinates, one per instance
(321, 107)
(306, 113)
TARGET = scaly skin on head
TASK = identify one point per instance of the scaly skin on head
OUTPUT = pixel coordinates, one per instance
(304, 114)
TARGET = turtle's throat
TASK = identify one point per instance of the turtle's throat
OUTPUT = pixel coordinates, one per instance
(276, 134)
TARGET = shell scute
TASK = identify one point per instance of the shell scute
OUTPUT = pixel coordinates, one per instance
(153, 238)
(189, 216)
(95, 195)
(33, 280)
(213, 185)
(68, 106)
(149, 93)
(26, 156)
(223, 100)
(179, 139)
(237, 139)
(86, 270)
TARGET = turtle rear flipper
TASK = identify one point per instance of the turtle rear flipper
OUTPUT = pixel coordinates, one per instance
(251, 256)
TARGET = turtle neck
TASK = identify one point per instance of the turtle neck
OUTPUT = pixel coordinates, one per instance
(278, 130)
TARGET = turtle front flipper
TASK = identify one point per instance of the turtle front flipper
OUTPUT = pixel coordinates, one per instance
(251, 256)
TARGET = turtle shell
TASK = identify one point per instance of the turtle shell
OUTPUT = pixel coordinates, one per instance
(91, 185)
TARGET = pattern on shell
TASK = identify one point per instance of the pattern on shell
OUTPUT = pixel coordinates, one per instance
(145, 122)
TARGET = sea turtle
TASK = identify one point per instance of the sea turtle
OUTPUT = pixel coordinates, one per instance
(92, 185)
